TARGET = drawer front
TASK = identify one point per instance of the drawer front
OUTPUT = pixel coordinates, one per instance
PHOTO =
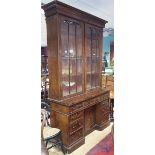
(76, 135)
(105, 102)
(76, 107)
(76, 125)
(92, 101)
(76, 115)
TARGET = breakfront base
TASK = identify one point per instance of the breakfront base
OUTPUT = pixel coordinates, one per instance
(73, 147)
(80, 142)
(103, 126)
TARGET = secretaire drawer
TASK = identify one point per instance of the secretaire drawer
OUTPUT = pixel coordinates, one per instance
(76, 125)
(76, 107)
(76, 115)
(105, 102)
(76, 135)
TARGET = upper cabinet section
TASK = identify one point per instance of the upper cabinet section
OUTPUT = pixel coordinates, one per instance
(74, 42)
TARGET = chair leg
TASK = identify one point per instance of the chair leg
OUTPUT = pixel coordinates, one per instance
(62, 148)
(61, 144)
(46, 142)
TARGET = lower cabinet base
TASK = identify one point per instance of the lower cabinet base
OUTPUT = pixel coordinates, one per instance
(103, 126)
(81, 141)
(73, 147)
(88, 113)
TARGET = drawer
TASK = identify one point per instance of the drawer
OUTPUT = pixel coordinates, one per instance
(76, 115)
(91, 102)
(76, 135)
(76, 107)
(76, 125)
(105, 101)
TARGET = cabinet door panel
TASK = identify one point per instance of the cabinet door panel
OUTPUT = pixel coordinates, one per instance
(71, 40)
(92, 53)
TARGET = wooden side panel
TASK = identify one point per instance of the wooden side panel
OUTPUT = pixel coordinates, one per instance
(60, 120)
(53, 61)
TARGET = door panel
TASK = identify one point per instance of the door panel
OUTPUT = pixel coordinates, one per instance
(71, 41)
(92, 53)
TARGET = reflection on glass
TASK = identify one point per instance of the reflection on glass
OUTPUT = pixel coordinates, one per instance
(65, 76)
(88, 72)
(64, 40)
(98, 72)
(72, 40)
(79, 40)
(98, 49)
(72, 75)
(79, 83)
(93, 64)
(79, 75)
(88, 42)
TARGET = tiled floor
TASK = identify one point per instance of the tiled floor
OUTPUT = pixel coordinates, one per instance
(91, 140)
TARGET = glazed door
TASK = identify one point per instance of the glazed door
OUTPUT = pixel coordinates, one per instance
(93, 38)
(71, 42)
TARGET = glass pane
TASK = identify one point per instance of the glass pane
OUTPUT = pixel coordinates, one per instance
(79, 75)
(72, 50)
(79, 83)
(72, 75)
(72, 53)
(88, 42)
(65, 76)
(98, 48)
(88, 74)
(98, 71)
(64, 38)
(93, 47)
(93, 71)
(79, 40)
(93, 63)
(98, 65)
(71, 44)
